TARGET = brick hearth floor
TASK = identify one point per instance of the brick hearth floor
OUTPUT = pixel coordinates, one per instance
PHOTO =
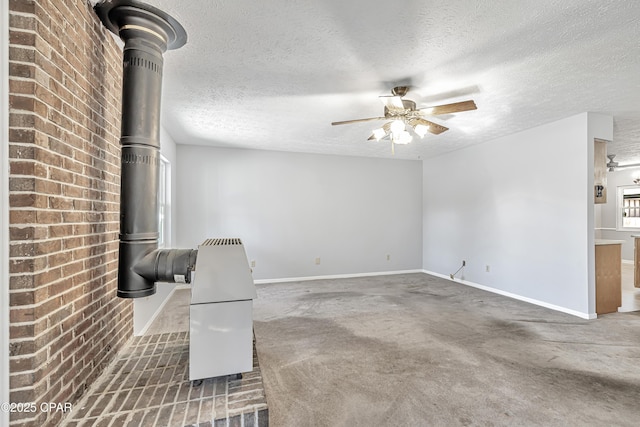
(148, 385)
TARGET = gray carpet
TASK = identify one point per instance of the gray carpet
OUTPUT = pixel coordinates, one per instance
(415, 350)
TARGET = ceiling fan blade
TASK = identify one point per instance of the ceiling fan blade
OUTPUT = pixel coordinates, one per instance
(434, 128)
(393, 103)
(456, 107)
(346, 122)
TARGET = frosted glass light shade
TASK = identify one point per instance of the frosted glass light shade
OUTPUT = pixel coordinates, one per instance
(421, 130)
(403, 138)
(397, 126)
(379, 133)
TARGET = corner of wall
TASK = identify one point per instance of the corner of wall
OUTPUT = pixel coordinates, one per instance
(146, 309)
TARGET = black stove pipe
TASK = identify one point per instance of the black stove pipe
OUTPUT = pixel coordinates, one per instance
(147, 33)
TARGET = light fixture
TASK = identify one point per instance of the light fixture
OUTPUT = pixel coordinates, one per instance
(421, 130)
(402, 138)
(379, 133)
(399, 132)
(397, 126)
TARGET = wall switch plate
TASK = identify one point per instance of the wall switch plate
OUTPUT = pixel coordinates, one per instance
(318, 261)
(487, 268)
(253, 263)
(388, 257)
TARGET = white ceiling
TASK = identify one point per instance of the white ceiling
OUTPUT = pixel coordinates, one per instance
(274, 74)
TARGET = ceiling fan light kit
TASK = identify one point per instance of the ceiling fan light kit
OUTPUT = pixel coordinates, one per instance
(406, 117)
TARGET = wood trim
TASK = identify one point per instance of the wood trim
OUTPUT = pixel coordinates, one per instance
(636, 262)
(608, 278)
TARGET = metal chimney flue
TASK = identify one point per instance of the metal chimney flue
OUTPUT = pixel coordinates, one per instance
(147, 33)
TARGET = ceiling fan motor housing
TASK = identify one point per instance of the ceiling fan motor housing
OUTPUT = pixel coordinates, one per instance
(400, 90)
(408, 105)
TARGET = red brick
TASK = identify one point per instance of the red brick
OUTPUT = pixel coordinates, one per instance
(49, 217)
(25, 38)
(25, 233)
(46, 277)
(60, 203)
(25, 71)
(23, 22)
(26, 6)
(26, 136)
(21, 120)
(73, 268)
(21, 216)
(60, 175)
(47, 307)
(58, 259)
(24, 265)
(60, 147)
(22, 281)
(62, 230)
(21, 314)
(21, 331)
(17, 250)
(47, 247)
(21, 86)
(22, 185)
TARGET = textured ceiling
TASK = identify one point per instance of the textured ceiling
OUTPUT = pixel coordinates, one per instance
(274, 74)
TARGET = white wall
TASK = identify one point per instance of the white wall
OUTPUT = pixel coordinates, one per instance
(4, 209)
(521, 204)
(620, 177)
(145, 309)
(290, 208)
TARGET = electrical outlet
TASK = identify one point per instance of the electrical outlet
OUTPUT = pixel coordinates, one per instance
(253, 263)
(318, 261)
(487, 269)
(388, 257)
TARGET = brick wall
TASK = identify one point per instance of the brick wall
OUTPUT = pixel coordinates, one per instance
(65, 85)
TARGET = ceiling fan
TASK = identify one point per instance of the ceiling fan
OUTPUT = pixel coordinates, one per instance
(404, 115)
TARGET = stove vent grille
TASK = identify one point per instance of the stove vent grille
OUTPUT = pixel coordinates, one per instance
(222, 242)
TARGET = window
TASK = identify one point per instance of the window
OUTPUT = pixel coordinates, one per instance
(628, 202)
(164, 203)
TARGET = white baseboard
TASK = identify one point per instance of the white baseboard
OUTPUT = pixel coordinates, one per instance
(580, 314)
(432, 273)
(334, 276)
